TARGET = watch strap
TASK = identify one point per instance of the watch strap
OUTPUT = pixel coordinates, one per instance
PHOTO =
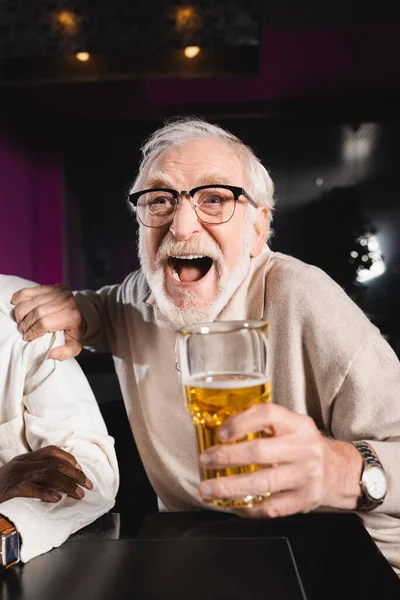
(370, 459)
(6, 528)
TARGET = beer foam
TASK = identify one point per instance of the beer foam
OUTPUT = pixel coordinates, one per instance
(232, 381)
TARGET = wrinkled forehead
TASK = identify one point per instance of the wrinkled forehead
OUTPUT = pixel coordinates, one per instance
(196, 162)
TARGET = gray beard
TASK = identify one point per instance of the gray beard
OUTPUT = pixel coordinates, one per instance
(188, 311)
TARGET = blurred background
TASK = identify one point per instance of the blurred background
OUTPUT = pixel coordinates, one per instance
(313, 87)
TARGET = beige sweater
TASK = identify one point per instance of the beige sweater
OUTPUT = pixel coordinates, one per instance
(329, 362)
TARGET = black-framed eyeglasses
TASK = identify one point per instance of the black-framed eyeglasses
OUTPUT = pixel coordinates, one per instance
(213, 204)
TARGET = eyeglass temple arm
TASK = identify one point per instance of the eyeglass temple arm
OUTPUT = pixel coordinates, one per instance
(249, 198)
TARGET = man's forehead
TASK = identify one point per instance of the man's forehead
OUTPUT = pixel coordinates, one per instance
(202, 162)
(160, 178)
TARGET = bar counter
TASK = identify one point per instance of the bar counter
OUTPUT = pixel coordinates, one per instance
(209, 555)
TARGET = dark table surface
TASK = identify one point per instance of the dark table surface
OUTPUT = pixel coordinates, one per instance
(207, 555)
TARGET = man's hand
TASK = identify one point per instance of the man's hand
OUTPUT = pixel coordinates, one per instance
(307, 469)
(43, 474)
(48, 308)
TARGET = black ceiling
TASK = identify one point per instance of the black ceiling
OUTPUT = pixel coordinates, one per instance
(300, 41)
(39, 28)
(304, 13)
(54, 27)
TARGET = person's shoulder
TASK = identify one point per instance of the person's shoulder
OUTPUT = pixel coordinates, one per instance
(309, 290)
(285, 264)
(9, 284)
(295, 276)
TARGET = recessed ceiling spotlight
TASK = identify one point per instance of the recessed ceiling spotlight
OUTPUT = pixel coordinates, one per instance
(191, 51)
(66, 21)
(187, 18)
(82, 56)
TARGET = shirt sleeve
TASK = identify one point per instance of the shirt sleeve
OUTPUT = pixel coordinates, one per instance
(60, 409)
(367, 407)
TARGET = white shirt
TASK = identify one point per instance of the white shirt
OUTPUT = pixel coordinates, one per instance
(44, 402)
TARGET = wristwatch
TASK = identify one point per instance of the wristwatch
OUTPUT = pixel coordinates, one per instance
(9, 543)
(373, 479)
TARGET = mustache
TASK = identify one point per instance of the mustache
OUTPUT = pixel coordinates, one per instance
(202, 245)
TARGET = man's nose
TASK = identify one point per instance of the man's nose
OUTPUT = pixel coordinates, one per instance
(185, 222)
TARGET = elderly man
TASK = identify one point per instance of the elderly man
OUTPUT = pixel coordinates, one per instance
(204, 204)
(58, 469)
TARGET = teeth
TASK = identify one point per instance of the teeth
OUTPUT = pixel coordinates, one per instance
(190, 256)
(175, 275)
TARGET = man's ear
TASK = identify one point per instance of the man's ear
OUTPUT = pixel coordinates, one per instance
(260, 228)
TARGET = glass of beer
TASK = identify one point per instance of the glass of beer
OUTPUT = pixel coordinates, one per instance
(225, 369)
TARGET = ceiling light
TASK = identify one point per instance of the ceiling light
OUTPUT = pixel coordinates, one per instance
(66, 21)
(191, 51)
(82, 56)
(187, 19)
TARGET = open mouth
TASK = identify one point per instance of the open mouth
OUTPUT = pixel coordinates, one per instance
(189, 268)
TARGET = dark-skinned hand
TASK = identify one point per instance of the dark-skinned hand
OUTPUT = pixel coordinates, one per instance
(43, 474)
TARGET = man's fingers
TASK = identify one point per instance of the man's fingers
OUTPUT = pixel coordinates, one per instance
(33, 305)
(59, 459)
(45, 325)
(48, 309)
(28, 489)
(72, 347)
(277, 505)
(73, 337)
(56, 480)
(40, 322)
(261, 451)
(51, 452)
(67, 470)
(261, 482)
(66, 352)
(33, 292)
(271, 418)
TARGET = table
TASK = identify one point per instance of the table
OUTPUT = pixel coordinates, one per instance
(206, 555)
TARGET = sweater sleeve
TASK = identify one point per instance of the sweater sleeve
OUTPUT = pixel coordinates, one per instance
(59, 408)
(98, 310)
(367, 407)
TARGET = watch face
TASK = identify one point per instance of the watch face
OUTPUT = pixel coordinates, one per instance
(375, 482)
(11, 544)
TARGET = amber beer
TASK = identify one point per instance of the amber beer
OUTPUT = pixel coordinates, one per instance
(225, 369)
(210, 401)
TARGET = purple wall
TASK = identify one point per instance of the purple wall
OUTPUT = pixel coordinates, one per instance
(305, 62)
(31, 215)
(295, 63)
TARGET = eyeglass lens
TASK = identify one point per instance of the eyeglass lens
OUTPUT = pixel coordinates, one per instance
(212, 205)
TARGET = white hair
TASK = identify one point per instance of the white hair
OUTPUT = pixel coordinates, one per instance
(173, 132)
